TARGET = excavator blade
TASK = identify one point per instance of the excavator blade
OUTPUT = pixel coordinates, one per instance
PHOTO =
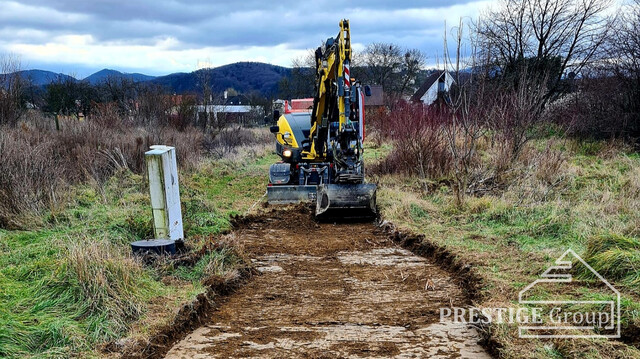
(289, 194)
(346, 201)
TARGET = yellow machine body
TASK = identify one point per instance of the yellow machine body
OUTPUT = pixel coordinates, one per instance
(321, 149)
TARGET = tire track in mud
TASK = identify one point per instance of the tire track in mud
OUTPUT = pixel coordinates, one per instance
(332, 290)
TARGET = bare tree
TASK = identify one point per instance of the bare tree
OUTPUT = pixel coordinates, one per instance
(512, 115)
(299, 84)
(382, 64)
(205, 82)
(386, 64)
(121, 91)
(550, 37)
(467, 119)
(12, 90)
(154, 104)
(389, 65)
(624, 42)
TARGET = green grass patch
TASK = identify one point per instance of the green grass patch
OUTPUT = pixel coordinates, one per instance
(615, 257)
(70, 283)
(215, 263)
(512, 235)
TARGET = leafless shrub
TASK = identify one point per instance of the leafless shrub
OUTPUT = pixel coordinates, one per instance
(418, 135)
(12, 88)
(514, 113)
(599, 108)
(106, 115)
(377, 126)
(467, 107)
(549, 165)
(503, 122)
(183, 114)
(229, 140)
(487, 107)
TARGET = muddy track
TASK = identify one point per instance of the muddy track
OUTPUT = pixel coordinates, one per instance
(332, 290)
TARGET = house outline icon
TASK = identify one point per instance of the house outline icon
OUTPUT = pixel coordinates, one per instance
(549, 277)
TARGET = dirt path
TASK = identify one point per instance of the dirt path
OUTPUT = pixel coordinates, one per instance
(328, 291)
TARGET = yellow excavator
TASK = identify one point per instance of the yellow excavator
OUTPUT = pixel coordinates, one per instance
(321, 145)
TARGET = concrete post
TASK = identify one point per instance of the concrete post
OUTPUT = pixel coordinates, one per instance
(165, 193)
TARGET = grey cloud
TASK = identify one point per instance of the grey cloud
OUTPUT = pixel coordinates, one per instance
(180, 11)
(223, 23)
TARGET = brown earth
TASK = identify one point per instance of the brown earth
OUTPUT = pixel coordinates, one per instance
(332, 290)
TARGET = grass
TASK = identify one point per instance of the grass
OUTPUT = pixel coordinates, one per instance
(510, 237)
(614, 256)
(214, 263)
(69, 283)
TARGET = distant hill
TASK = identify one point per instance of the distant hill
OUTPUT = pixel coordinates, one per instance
(104, 74)
(42, 77)
(244, 77)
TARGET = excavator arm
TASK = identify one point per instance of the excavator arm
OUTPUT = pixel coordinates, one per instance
(332, 89)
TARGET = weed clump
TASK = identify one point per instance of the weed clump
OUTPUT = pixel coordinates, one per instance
(40, 163)
(100, 283)
(615, 257)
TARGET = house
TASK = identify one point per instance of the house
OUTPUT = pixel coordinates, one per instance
(437, 83)
(237, 100)
(231, 109)
(179, 100)
(241, 114)
(377, 97)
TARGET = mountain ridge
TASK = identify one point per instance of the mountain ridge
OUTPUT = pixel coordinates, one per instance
(244, 77)
(104, 74)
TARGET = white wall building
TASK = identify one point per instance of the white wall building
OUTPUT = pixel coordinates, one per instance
(439, 81)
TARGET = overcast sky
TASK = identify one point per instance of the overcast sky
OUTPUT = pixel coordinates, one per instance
(158, 37)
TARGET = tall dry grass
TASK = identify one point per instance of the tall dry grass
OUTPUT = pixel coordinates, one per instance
(229, 142)
(37, 163)
(481, 148)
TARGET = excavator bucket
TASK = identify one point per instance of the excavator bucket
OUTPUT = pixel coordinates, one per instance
(346, 200)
